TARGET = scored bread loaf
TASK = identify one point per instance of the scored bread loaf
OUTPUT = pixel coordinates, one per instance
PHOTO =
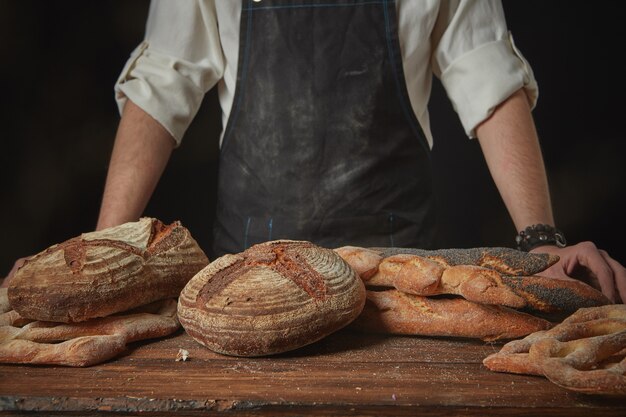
(392, 311)
(4, 301)
(271, 298)
(100, 273)
(482, 275)
(7, 316)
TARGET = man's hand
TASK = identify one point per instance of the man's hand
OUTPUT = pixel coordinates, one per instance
(17, 265)
(584, 261)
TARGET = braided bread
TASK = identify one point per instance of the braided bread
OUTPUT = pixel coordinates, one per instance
(585, 353)
(88, 342)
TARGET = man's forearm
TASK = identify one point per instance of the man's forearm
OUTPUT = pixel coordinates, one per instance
(511, 148)
(140, 154)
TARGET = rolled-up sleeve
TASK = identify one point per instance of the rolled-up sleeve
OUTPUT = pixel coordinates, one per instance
(477, 61)
(181, 59)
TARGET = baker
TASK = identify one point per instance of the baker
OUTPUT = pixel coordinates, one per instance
(326, 132)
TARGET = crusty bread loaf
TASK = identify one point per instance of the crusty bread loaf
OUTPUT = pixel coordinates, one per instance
(105, 272)
(272, 298)
(363, 260)
(484, 279)
(553, 295)
(4, 301)
(9, 317)
(395, 312)
(504, 260)
(507, 261)
(86, 343)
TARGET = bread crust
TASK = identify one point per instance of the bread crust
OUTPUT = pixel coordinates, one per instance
(272, 298)
(485, 278)
(86, 343)
(101, 273)
(585, 353)
(395, 312)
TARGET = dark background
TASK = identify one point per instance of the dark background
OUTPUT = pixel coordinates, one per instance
(59, 61)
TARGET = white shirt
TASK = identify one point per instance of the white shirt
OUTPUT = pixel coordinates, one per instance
(192, 45)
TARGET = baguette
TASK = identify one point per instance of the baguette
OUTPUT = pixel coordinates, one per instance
(485, 278)
(394, 312)
(504, 260)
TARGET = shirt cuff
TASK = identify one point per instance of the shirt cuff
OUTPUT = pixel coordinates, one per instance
(480, 80)
(166, 88)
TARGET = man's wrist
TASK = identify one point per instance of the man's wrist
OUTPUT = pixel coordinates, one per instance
(539, 235)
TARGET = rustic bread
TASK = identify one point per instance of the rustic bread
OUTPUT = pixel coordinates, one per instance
(272, 298)
(585, 353)
(505, 260)
(86, 343)
(9, 317)
(395, 312)
(105, 272)
(363, 260)
(4, 301)
(484, 278)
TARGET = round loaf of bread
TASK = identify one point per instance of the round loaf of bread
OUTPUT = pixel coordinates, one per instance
(101, 273)
(274, 297)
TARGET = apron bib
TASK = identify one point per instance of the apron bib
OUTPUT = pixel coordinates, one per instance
(321, 143)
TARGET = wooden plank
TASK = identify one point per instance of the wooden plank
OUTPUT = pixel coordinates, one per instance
(342, 346)
(347, 371)
(295, 410)
(351, 383)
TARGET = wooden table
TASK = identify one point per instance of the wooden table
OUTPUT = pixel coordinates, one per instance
(347, 373)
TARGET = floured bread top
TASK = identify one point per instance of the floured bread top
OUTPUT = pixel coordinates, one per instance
(134, 233)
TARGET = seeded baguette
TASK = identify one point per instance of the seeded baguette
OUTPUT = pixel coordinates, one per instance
(482, 275)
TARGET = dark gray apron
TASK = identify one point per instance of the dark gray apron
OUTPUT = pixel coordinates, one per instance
(321, 143)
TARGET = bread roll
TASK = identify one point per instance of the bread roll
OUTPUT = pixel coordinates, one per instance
(272, 298)
(101, 273)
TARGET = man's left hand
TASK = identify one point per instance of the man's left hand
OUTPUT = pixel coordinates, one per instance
(584, 261)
